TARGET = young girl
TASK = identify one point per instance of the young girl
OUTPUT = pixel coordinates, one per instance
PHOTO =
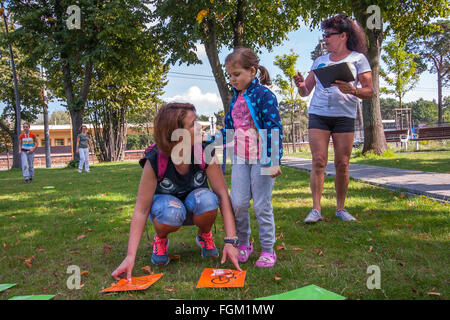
(83, 149)
(28, 144)
(254, 116)
(179, 194)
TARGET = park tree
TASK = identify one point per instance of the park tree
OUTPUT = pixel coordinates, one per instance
(401, 69)
(318, 51)
(291, 105)
(434, 50)
(117, 96)
(222, 25)
(70, 41)
(423, 111)
(6, 145)
(220, 115)
(387, 106)
(446, 109)
(26, 91)
(59, 117)
(379, 19)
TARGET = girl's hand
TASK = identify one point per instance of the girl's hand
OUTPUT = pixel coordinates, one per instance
(125, 267)
(275, 171)
(231, 252)
(345, 87)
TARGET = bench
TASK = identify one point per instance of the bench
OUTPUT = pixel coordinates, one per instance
(396, 135)
(433, 133)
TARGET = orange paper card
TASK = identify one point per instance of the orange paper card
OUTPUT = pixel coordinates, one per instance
(137, 283)
(221, 278)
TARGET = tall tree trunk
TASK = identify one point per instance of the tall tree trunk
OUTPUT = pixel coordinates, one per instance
(210, 43)
(238, 24)
(15, 140)
(439, 97)
(360, 120)
(374, 139)
(74, 104)
(293, 132)
(16, 158)
(48, 159)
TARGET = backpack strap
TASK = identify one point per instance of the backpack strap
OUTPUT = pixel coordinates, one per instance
(199, 154)
(162, 161)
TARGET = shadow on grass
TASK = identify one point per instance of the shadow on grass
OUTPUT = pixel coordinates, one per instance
(86, 223)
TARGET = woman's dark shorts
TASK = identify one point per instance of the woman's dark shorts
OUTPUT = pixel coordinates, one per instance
(333, 124)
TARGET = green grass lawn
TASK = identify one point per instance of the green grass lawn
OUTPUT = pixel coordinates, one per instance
(436, 161)
(85, 220)
(431, 161)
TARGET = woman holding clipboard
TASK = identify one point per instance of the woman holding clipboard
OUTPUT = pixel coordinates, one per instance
(332, 111)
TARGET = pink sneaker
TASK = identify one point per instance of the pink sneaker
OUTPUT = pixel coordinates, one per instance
(244, 252)
(266, 260)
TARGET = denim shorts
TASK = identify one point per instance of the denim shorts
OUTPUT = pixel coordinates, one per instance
(332, 124)
(171, 211)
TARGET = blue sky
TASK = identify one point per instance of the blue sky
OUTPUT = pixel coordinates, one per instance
(203, 92)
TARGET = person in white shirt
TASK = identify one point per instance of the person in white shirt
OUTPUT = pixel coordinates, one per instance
(332, 111)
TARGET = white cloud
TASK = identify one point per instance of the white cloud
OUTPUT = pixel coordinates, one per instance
(200, 50)
(205, 103)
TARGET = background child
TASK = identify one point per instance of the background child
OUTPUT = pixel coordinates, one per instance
(28, 143)
(83, 149)
(253, 108)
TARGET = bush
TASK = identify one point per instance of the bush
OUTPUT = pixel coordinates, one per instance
(138, 141)
(73, 163)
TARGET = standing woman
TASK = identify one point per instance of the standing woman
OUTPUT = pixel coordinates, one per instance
(333, 110)
(83, 149)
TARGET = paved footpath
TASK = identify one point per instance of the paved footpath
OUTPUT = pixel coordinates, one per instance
(430, 184)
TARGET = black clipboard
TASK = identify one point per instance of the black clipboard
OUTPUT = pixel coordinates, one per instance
(329, 74)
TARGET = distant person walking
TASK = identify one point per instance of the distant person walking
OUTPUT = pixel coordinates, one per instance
(83, 149)
(28, 144)
(332, 111)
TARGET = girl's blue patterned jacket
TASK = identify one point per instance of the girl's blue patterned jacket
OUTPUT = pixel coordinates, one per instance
(263, 107)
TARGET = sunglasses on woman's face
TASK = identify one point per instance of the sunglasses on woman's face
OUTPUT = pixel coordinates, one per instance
(329, 34)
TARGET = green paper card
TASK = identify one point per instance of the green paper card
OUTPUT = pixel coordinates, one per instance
(34, 297)
(48, 187)
(6, 286)
(311, 292)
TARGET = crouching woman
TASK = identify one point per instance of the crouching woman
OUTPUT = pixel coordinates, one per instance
(174, 191)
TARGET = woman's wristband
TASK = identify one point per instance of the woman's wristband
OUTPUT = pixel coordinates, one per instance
(356, 92)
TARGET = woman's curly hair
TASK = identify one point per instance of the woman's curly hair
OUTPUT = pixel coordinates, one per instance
(356, 39)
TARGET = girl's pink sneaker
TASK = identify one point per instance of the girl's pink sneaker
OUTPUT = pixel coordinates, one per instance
(244, 252)
(266, 260)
